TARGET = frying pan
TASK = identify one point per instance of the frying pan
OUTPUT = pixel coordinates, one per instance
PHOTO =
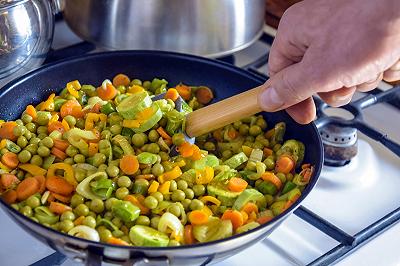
(225, 79)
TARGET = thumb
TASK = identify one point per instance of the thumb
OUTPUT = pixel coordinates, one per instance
(286, 88)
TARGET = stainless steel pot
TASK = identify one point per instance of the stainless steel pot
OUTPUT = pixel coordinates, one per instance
(204, 27)
(26, 33)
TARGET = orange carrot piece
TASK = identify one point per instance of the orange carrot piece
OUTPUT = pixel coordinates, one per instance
(9, 196)
(186, 149)
(30, 110)
(27, 188)
(7, 131)
(234, 216)
(10, 160)
(204, 95)
(62, 198)
(58, 153)
(284, 164)
(59, 185)
(269, 133)
(107, 93)
(188, 235)
(233, 134)
(121, 80)
(56, 125)
(237, 184)
(8, 181)
(198, 217)
(93, 148)
(172, 94)
(59, 208)
(163, 133)
(264, 219)
(184, 91)
(79, 220)
(267, 151)
(129, 164)
(217, 134)
(116, 241)
(42, 183)
(197, 155)
(250, 207)
(271, 177)
(136, 201)
(60, 144)
(71, 107)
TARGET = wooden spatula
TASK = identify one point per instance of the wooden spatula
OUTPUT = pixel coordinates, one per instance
(224, 112)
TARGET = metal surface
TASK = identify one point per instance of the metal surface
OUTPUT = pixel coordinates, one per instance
(188, 69)
(26, 32)
(204, 27)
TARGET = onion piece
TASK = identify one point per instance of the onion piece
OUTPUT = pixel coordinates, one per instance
(85, 232)
(169, 222)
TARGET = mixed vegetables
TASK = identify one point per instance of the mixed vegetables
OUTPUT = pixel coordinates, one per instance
(111, 164)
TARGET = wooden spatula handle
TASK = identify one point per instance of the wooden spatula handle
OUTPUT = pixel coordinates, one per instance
(223, 112)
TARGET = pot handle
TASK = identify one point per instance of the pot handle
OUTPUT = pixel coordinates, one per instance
(94, 259)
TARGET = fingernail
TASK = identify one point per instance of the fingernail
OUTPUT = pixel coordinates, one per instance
(270, 100)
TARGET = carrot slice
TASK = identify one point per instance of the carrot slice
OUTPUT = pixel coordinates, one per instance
(62, 198)
(116, 241)
(121, 80)
(42, 183)
(27, 188)
(58, 153)
(60, 144)
(250, 207)
(198, 217)
(107, 93)
(267, 151)
(204, 95)
(59, 185)
(7, 131)
(9, 196)
(59, 208)
(234, 216)
(136, 201)
(184, 91)
(284, 164)
(30, 110)
(188, 235)
(71, 107)
(129, 164)
(217, 134)
(186, 149)
(172, 94)
(8, 181)
(93, 148)
(237, 184)
(10, 160)
(56, 125)
(271, 177)
(163, 133)
(264, 219)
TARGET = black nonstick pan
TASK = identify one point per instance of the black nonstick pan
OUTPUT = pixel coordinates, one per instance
(226, 80)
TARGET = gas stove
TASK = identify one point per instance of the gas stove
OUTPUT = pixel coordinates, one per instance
(351, 216)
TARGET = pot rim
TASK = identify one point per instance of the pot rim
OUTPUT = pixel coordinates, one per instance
(5, 4)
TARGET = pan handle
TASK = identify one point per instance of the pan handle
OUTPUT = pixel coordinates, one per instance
(94, 259)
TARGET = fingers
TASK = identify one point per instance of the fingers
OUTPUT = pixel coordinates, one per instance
(393, 73)
(367, 86)
(303, 112)
(338, 97)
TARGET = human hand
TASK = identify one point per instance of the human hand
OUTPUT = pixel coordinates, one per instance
(331, 48)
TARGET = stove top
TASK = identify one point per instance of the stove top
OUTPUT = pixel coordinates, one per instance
(350, 218)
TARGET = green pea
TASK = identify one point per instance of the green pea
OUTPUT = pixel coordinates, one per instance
(199, 190)
(68, 215)
(28, 135)
(99, 159)
(269, 163)
(36, 160)
(48, 142)
(158, 195)
(105, 134)
(115, 129)
(76, 200)
(66, 225)
(178, 195)
(164, 156)
(19, 130)
(282, 177)
(150, 202)
(79, 158)
(70, 120)
(42, 135)
(42, 129)
(153, 135)
(26, 118)
(146, 84)
(139, 139)
(261, 123)
(258, 145)
(110, 202)
(121, 193)
(105, 235)
(117, 222)
(173, 185)
(209, 146)
(19, 122)
(15, 206)
(154, 222)
(114, 119)
(136, 82)
(24, 156)
(22, 141)
(251, 165)
(143, 220)
(244, 129)
(182, 184)
(34, 140)
(32, 148)
(97, 206)
(102, 167)
(43, 151)
(186, 203)
(108, 215)
(112, 171)
(71, 151)
(227, 154)
(173, 243)
(196, 205)
(124, 181)
(89, 221)
(31, 127)
(81, 210)
(26, 210)
(189, 193)
(255, 130)
(157, 169)
(175, 210)
(80, 123)
(178, 139)
(153, 148)
(289, 176)
(33, 201)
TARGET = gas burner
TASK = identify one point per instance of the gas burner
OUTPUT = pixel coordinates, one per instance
(340, 144)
